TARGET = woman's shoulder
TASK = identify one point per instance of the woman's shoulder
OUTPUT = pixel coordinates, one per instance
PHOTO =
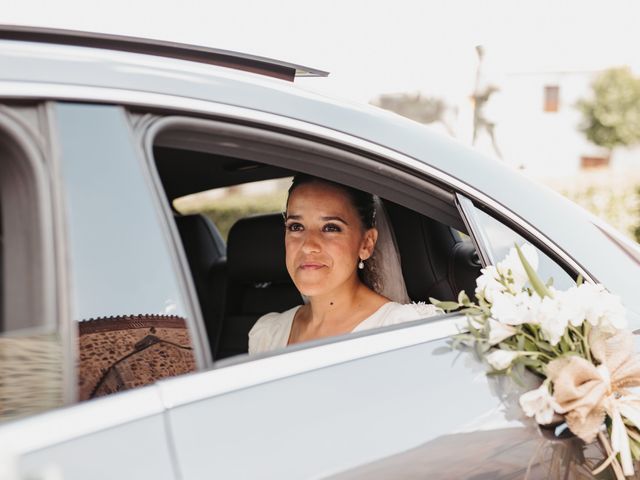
(271, 331)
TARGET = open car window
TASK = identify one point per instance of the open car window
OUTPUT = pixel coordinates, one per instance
(237, 284)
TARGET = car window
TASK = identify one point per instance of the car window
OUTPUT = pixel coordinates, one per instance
(213, 174)
(133, 320)
(225, 206)
(31, 348)
(498, 239)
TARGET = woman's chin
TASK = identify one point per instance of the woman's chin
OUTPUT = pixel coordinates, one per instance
(311, 290)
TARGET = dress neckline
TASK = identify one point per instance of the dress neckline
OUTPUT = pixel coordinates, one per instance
(294, 310)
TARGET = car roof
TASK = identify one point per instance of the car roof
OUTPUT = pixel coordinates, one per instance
(36, 67)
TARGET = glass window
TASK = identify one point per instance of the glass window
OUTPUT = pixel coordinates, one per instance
(225, 206)
(126, 296)
(551, 98)
(500, 239)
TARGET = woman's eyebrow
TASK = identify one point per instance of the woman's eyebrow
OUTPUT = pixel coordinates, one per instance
(293, 217)
(326, 219)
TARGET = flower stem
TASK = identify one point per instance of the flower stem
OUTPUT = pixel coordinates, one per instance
(585, 340)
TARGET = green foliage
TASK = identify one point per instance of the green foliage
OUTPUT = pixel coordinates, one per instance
(224, 213)
(414, 106)
(614, 198)
(611, 118)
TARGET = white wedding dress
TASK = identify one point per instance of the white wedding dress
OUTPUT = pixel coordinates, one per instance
(272, 330)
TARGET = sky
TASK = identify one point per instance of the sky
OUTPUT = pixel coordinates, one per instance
(372, 47)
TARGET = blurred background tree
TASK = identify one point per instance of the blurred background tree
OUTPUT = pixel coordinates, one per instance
(416, 107)
(611, 117)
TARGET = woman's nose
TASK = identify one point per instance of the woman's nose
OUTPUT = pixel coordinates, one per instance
(311, 243)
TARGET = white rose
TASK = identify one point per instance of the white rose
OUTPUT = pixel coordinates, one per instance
(499, 331)
(552, 321)
(502, 359)
(488, 284)
(539, 403)
(570, 305)
(601, 308)
(515, 309)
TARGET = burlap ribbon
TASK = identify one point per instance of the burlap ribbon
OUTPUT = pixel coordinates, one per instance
(585, 393)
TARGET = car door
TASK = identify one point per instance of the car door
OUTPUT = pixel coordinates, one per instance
(400, 402)
(115, 265)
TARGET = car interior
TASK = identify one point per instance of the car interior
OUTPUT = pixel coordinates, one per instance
(245, 278)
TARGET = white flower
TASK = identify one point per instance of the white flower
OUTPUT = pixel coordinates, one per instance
(539, 403)
(499, 331)
(515, 309)
(502, 359)
(570, 305)
(488, 284)
(601, 308)
(553, 323)
(512, 266)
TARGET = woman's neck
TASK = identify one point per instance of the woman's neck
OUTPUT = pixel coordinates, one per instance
(335, 313)
(339, 306)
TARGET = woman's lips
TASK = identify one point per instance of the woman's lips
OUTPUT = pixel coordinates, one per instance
(311, 266)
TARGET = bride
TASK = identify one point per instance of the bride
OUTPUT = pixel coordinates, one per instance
(341, 255)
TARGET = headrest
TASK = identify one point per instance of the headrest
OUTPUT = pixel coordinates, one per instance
(202, 237)
(255, 250)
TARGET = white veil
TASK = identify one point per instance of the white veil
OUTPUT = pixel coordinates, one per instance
(386, 256)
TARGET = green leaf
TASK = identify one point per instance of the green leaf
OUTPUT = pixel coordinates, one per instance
(463, 298)
(446, 306)
(537, 284)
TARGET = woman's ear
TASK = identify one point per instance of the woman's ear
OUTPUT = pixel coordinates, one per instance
(368, 243)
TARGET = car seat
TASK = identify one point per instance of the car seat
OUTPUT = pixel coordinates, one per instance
(436, 262)
(257, 279)
(206, 254)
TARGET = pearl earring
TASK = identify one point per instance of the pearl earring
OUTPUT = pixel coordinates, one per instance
(361, 264)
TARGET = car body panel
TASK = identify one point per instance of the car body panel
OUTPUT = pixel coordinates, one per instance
(112, 437)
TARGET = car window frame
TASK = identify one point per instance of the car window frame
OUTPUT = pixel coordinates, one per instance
(469, 208)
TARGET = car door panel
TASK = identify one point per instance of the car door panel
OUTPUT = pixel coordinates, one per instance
(131, 451)
(336, 418)
(121, 436)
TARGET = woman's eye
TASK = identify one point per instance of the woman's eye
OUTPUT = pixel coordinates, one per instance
(294, 227)
(331, 227)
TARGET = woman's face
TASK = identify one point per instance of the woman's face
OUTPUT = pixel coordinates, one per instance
(324, 239)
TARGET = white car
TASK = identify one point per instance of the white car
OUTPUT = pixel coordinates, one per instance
(107, 290)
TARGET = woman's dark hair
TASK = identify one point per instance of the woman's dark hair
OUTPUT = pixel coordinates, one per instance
(364, 204)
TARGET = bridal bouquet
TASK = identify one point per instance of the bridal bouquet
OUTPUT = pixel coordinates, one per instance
(575, 340)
